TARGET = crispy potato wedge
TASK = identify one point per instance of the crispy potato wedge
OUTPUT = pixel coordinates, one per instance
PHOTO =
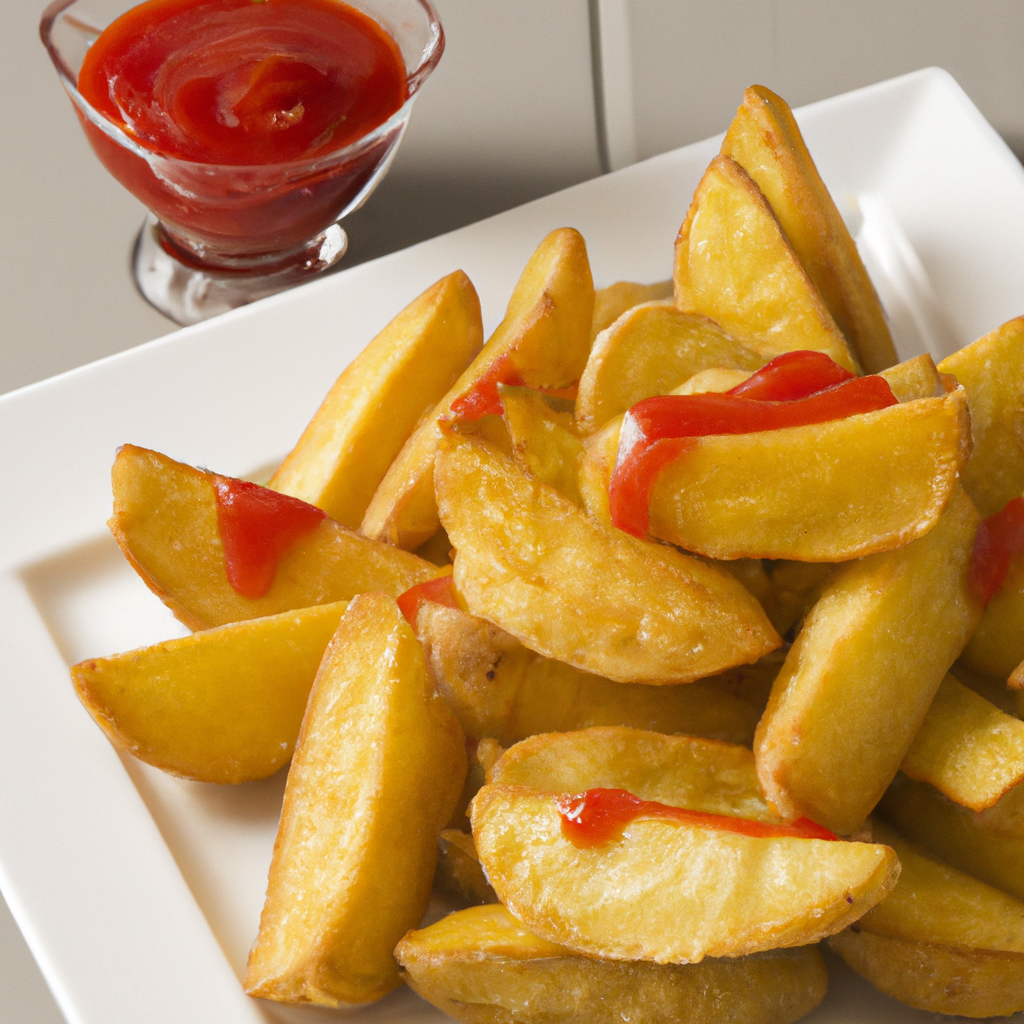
(955, 945)
(715, 378)
(765, 141)
(974, 843)
(545, 442)
(165, 520)
(222, 705)
(376, 773)
(967, 748)
(375, 404)
(995, 473)
(816, 489)
(915, 378)
(480, 966)
(681, 771)
(650, 615)
(735, 265)
(459, 873)
(543, 341)
(648, 351)
(668, 892)
(996, 647)
(858, 681)
(498, 688)
(611, 302)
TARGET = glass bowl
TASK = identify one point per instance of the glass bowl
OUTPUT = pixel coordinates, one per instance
(220, 236)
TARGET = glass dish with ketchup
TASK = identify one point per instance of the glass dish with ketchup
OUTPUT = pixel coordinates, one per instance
(248, 128)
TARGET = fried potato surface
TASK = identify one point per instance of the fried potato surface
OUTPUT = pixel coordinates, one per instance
(222, 705)
(765, 141)
(544, 340)
(482, 967)
(668, 892)
(996, 647)
(612, 301)
(858, 681)
(648, 351)
(375, 404)
(974, 843)
(377, 770)
(992, 371)
(567, 587)
(734, 264)
(165, 520)
(823, 493)
(459, 873)
(954, 945)
(967, 748)
(915, 378)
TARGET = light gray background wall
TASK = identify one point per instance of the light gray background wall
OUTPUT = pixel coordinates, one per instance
(508, 116)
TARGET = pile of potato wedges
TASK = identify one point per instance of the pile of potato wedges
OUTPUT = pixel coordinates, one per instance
(803, 677)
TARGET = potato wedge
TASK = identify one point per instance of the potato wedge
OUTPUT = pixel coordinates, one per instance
(995, 473)
(375, 404)
(165, 520)
(967, 748)
(480, 966)
(648, 351)
(954, 945)
(612, 301)
(765, 141)
(823, 493)
(734, 264)
(376, 773)
(459, 874)
(915, 378)
(222, 705)
(859, 679)
(643, 613)
(668, 892)
(959, 836)
(996, 647)
(543, 341)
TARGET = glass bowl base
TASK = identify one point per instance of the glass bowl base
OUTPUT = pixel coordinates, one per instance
(188, 294)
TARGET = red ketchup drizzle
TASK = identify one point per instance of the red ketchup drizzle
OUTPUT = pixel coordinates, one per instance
(440, 590)
(791, 376)
(244, 82)
(257, 526)
(598, 816)
(1000, 539)
(656, 431)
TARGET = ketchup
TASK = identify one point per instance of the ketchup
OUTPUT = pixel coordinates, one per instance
(658, 430)
(257, 526)
(1000, 539)
(598, 816)
(483, 398)
(440, 590)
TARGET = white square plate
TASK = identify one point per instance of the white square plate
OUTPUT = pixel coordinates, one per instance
(140, 894)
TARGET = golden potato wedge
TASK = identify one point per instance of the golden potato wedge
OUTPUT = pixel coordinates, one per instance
(375, 404)
(611, 302)
(735, 265)
(995, 473)
(480, 966)
(642, 613)
(165, 520)
(996, 647)
(648, 351)
(599, 452)
(823, 493)
(545, 442)
(459, 874)
(958, 944)
(967, 748)
(377, 770)
(715, 378)
(959, 836)
(681, 771)
(858, 681)
(670, 892)
(543, 341)
(765, 141)
(915, 378)
(222, 705)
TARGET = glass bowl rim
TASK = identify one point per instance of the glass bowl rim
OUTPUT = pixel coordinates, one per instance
(414, 79)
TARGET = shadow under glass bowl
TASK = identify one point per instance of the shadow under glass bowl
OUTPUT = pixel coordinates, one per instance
(219, 236)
